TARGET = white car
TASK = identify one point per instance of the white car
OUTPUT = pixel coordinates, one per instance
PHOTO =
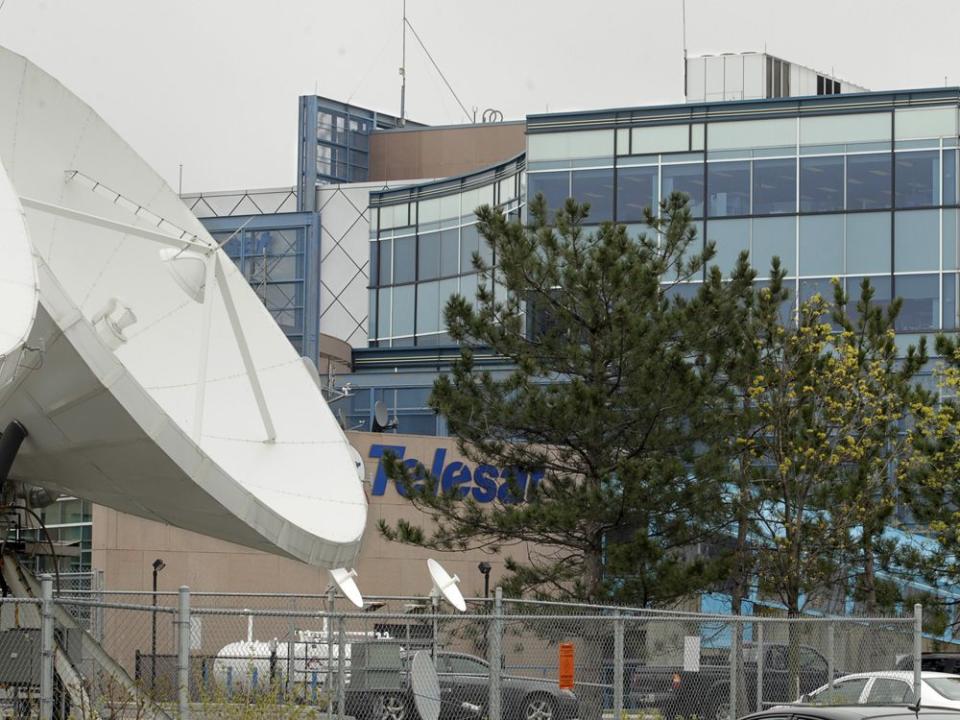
(939, 689)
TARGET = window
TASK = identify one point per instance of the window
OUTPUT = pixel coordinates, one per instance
(844, 692)
(469, 244)
(948, 687)
(374, 266)
(821, 245)
(868, 182)
(887, 691)
(773, 237)
(402, 317)
(921, 303)
(686, 179)
(868, 243)
(917, 241)
(428, 256)
(918, 179)
(951, 231)
(465, 665)
(449, 252)
(774, 186)
(384, 306)
(555, 188)
(386, 262)
(881, 296)
(636, 190)
(821, 184)
(949, 177)
(728, 185)
(810, 659)
(404, 259)
(731, 237)
(596, 188)
(428, 307)
(950, 292)
(809, 287)
(570, 145)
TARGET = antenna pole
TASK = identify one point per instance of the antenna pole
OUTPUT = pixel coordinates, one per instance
(180, 182)
(403, 70)
(683, 30)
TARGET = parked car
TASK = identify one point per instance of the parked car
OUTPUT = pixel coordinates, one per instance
(941, 690)
(705, 692)
(946, 662)
(853, 712)
(466, 679)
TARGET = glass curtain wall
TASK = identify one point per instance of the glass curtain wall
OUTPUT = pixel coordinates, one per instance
(422, 247)
(871, 195)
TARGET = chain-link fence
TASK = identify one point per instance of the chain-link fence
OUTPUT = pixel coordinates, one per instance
(136, 655)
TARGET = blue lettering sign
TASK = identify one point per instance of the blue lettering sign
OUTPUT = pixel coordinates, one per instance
(485, 484)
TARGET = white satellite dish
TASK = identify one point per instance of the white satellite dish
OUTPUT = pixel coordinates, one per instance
(425, 685)
(446, 585)
(344, 579)
(151, 382)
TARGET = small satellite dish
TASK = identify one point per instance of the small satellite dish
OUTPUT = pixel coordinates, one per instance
(425, 685)
(344, 579)
(446, 585)
(381, 420)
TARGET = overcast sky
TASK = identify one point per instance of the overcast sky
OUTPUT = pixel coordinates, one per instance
(214, 83)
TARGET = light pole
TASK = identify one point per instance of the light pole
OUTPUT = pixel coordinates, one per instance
(484, 568)
(158, 565)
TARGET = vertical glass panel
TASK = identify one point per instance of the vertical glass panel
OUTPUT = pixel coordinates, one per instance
(429, 210)
(840, 129)
(449, 252)
(570, 145)
(950, 292)
(450, 205)
(949, 177)
(372, 313)
(595, 187)
(554, 186)
(916, 241)
(752, 134)
(374, 267)
(868, 243)
(404, 259)
(912, 123)
(469, 244)
(774, 237)
(868, 182)
(428, 256)
(951, 233)
(660, 139)
(731, 238)
(918, 179)
(383, 312)
(428, 307)
(686, 179)
(728, 186)
(697, 136)
(816, 286)
(623, 141)
(636, 190)
(881, 293)
(468, 288)
(448, 288)
(921, 302)
(821, 245)
(386, 262)
(821, 184)
(402, 316)
(774, 186)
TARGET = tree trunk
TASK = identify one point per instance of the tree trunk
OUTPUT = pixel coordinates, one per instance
(793, 649)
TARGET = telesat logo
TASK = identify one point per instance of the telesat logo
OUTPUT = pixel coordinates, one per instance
(484, 484)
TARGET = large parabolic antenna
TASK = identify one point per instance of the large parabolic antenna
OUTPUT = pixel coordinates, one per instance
(148, 374)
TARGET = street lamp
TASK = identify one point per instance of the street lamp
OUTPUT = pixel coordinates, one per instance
(158, 565)
(484, 568)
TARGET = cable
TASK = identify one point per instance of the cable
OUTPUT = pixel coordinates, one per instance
(53, 552)
(440, 72)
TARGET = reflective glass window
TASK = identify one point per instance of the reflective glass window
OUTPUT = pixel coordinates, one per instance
(949, 177)
(821, 245)
(868, 243)
(595, 187)
(384, 312)
(918, 179)
(428, 307)
(868, 182)
(469, 244)
(449, 252)
(752, 134)
(402, 316)
(555, 188)
(428, 256)
(636, 190)
(925, 122)
(404, 259)
(951, 232)
(773, 237)
(686, 179)
(731, 237)
(842, 129)
(881, 293)
(728, 188)
(809, 287)
(374, 267)
(787, 308)
(660, 139)
(917, 241)
(468, 288)
(774, 186)
(386, 262)
(921, 302)
(950, 292)
(821, 184)
(684, 290)
(570, 145)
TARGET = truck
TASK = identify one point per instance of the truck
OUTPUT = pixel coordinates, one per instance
(705, 693)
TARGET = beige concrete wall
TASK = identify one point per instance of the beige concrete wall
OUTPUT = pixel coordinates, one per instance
(443, 152)
(124, 546)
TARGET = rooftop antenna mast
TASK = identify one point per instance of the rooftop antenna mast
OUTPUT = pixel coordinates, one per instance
(683, 30)
(403, 70)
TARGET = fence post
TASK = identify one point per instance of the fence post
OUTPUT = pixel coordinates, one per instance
(917, 648)
(46, 647)
(830, 653)
(183, 654)
(734, 663)
(495, 655)
(328, 627)
(618, 666)
(341, 670)
(761, 653)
